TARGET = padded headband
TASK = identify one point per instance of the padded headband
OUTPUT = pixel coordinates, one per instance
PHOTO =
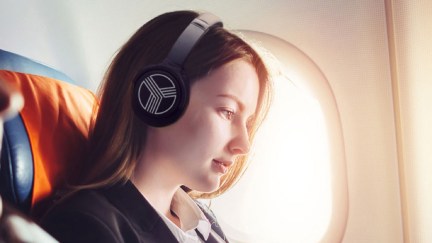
(190, 37)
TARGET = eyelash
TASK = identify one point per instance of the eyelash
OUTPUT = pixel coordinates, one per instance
(227, 113)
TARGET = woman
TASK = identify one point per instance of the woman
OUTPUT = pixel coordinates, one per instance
(145, 168)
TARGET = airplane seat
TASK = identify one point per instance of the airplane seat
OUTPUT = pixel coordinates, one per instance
(42, 146)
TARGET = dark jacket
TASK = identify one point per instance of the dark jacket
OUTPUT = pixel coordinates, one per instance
(115, 214)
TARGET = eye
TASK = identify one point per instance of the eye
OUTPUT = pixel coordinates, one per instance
(227, 113)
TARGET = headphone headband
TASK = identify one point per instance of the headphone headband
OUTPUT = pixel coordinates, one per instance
(190, 37)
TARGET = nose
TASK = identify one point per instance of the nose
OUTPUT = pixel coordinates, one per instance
(240, 143)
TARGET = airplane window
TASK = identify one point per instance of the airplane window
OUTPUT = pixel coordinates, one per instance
(294, 189)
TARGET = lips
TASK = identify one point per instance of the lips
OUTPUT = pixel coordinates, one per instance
(221, 166)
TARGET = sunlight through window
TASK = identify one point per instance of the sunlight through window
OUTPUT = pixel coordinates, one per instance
(287, 185)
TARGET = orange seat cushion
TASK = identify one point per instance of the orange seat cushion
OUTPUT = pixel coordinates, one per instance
(57, 117)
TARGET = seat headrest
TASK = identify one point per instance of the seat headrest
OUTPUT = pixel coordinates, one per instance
(56, 118)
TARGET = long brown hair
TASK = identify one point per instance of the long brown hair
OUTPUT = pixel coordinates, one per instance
(118, 135)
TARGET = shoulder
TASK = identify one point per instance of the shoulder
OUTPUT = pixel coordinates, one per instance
(84, 216)
(90, 202)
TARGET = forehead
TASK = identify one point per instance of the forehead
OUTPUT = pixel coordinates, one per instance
(237, 78)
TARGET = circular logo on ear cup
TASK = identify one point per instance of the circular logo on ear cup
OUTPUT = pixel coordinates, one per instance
(157, 94)
(161, 95)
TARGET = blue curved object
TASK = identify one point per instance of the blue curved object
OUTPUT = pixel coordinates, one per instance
(17, 63)
(16, 165)
(16, 168)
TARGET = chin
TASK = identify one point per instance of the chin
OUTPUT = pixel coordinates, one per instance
(207, 186)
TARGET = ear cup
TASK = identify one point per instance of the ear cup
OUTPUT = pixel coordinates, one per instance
(160, 95)
(161, 92)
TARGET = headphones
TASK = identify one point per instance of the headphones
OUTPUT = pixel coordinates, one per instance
(161, 92)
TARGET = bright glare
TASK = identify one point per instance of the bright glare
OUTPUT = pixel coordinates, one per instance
(285, 195)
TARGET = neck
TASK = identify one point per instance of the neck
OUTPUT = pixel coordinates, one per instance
(156, 184)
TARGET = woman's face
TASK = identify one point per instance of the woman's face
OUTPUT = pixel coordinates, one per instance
(201, 146)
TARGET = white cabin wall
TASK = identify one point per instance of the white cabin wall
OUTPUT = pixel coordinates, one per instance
(45, 31)
(412, 21)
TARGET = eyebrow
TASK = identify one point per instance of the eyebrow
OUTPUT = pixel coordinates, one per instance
(240, 104)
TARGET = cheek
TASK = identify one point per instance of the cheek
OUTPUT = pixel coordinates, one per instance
(206, 133)
(189, 134)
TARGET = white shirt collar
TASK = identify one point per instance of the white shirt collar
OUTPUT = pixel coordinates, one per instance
(191, 218)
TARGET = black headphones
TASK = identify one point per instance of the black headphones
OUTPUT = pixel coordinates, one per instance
(161, 92)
